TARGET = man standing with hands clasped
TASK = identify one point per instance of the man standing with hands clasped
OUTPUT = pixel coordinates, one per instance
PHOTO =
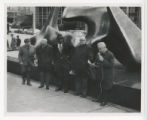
(45, 58)
(26, 59)
(79, 67)
(106, 59)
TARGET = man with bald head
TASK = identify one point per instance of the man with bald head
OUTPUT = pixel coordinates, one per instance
(105, 67)
(44, 54)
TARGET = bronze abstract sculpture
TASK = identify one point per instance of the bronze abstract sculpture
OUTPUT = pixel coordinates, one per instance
(108, 24)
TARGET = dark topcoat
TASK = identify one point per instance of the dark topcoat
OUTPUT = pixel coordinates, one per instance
(107, 70)
(79, 59)
(45, 57)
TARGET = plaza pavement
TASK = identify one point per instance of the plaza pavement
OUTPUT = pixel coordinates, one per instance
(23, 98)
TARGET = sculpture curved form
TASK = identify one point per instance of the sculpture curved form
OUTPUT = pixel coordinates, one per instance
(50, 30)
(96, 18)
(112, 26)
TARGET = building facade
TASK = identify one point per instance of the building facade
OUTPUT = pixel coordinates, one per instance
(134, 14)
(42, 14)
(14, 12)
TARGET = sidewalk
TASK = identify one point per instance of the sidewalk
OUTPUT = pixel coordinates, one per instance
(23, 98)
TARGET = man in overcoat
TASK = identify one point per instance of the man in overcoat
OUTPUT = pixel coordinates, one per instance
(45, 59)
(79, 66)
(105, 58)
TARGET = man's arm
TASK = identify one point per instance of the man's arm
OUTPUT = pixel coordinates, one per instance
(109, 62)
(20, 56)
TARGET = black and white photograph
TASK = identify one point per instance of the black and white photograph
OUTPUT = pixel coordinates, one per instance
(71, 59)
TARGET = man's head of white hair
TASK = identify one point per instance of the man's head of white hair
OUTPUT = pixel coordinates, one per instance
(82, 40)
(101, 44)
(43, 42)
(102, 47)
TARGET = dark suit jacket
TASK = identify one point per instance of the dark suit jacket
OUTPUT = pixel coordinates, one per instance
(26, 56)
(79, 60)
(45, 57)
(62, 59)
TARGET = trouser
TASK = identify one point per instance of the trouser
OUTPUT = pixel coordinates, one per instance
(62, 80)
(81, 85)
(18, 44)
(45, 77)
(62, 74)
(98, 83)
(26, 71)
(105, 95)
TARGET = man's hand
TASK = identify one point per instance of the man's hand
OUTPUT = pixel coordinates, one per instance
(91, 64)
(71, 72)
(101, 57)
(21, 63)
(36, 62)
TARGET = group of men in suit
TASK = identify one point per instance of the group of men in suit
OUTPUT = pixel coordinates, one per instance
(62, 60)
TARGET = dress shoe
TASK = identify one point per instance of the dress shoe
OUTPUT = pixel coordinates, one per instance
(47, 88)
(76, 94)
(97, 100)
(65, 91)
(83, 96)
(103, 103)
(29, 84)
(41, 86)
(57, 89)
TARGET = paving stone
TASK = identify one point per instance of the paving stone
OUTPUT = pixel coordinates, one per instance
(23, 98)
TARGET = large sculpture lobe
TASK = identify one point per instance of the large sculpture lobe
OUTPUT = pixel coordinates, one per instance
(112, 26)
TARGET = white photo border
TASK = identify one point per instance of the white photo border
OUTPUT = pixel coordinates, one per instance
(3, 58)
